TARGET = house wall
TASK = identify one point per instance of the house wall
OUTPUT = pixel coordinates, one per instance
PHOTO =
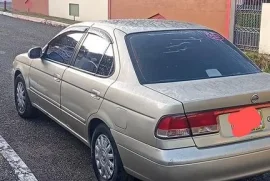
(212, 13)
(88, 9)
(37, 6)
(264, 45)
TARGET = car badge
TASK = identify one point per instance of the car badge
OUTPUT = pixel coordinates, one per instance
(254, 98)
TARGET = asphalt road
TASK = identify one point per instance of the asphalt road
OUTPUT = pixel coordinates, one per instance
(47, 149)
(6, 173)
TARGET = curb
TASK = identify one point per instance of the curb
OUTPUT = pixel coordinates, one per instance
(34, 19)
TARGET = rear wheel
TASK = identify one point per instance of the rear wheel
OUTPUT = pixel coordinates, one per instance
(106, 160)
(22, 101)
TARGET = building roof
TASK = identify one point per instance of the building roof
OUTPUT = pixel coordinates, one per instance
(157, 16)
(142, 25)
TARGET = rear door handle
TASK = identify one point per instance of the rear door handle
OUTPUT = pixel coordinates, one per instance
(95, 94)
(56, 77)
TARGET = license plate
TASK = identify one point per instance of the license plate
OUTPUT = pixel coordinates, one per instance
(262, 125)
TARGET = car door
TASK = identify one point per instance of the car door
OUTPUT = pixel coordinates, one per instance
(46, 73)
(86, 81)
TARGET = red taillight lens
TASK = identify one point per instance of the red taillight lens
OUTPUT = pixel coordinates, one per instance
(196, 123)
(173, 126)
(182, 126)
(203, 123)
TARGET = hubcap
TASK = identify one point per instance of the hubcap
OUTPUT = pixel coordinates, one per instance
(104, 157)
(20, 97)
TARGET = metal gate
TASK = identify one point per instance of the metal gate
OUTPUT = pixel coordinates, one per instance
(247, 24)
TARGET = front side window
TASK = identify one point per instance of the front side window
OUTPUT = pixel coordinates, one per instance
(170, 56)
(90, 53)
(62, 48)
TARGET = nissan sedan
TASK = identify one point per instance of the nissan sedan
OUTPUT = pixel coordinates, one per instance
(151, 98)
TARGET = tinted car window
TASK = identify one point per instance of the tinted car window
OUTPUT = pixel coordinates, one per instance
(90, 53)
(185, 55)
(106, 65)
(62, 48)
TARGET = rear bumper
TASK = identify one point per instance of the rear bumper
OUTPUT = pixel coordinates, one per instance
(225, 162)
(222, 169)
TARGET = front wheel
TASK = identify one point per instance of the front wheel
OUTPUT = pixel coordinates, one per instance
(22, 101)
(106, 160)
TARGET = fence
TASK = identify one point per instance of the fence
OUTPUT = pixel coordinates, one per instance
(248, 23)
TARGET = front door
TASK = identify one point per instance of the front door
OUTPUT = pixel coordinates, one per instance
(46, 73)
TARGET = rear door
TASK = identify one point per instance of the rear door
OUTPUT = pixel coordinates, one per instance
(87, 80)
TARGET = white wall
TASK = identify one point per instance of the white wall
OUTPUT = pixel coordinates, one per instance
(264, 46)
(89, 9)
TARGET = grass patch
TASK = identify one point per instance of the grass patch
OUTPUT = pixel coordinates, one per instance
(263, 61)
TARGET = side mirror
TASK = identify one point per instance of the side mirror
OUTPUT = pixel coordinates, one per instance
(35, 53)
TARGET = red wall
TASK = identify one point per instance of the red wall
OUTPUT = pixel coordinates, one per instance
(211, 13)
(36, 6)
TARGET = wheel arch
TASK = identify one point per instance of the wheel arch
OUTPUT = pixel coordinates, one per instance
(23, 69)
(96, 120)
(24, 73)
(16, 73)
(92, 126)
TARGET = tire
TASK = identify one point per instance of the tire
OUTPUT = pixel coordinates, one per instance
(118, 174)
(27, 111)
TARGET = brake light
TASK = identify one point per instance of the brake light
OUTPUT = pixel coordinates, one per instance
(192, 124)
(196, 123)
(173, 126)
(203, 123)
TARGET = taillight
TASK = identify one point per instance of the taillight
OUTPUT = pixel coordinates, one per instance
(196, 123)
(173, 126)
(192, 124)
(203, 123)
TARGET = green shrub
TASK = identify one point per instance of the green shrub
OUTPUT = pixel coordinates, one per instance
(263, 61)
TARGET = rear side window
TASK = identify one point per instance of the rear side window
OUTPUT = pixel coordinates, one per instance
(106, 65)
(90, 53)
(170, 56)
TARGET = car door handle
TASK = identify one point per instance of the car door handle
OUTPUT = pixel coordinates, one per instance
(95, 94)
(56, 77)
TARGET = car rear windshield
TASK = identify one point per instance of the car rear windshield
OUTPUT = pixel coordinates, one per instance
(169, 56)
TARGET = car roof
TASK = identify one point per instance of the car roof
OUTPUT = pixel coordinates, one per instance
(143, 25)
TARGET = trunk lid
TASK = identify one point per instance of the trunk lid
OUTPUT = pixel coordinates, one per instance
(217, 93)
